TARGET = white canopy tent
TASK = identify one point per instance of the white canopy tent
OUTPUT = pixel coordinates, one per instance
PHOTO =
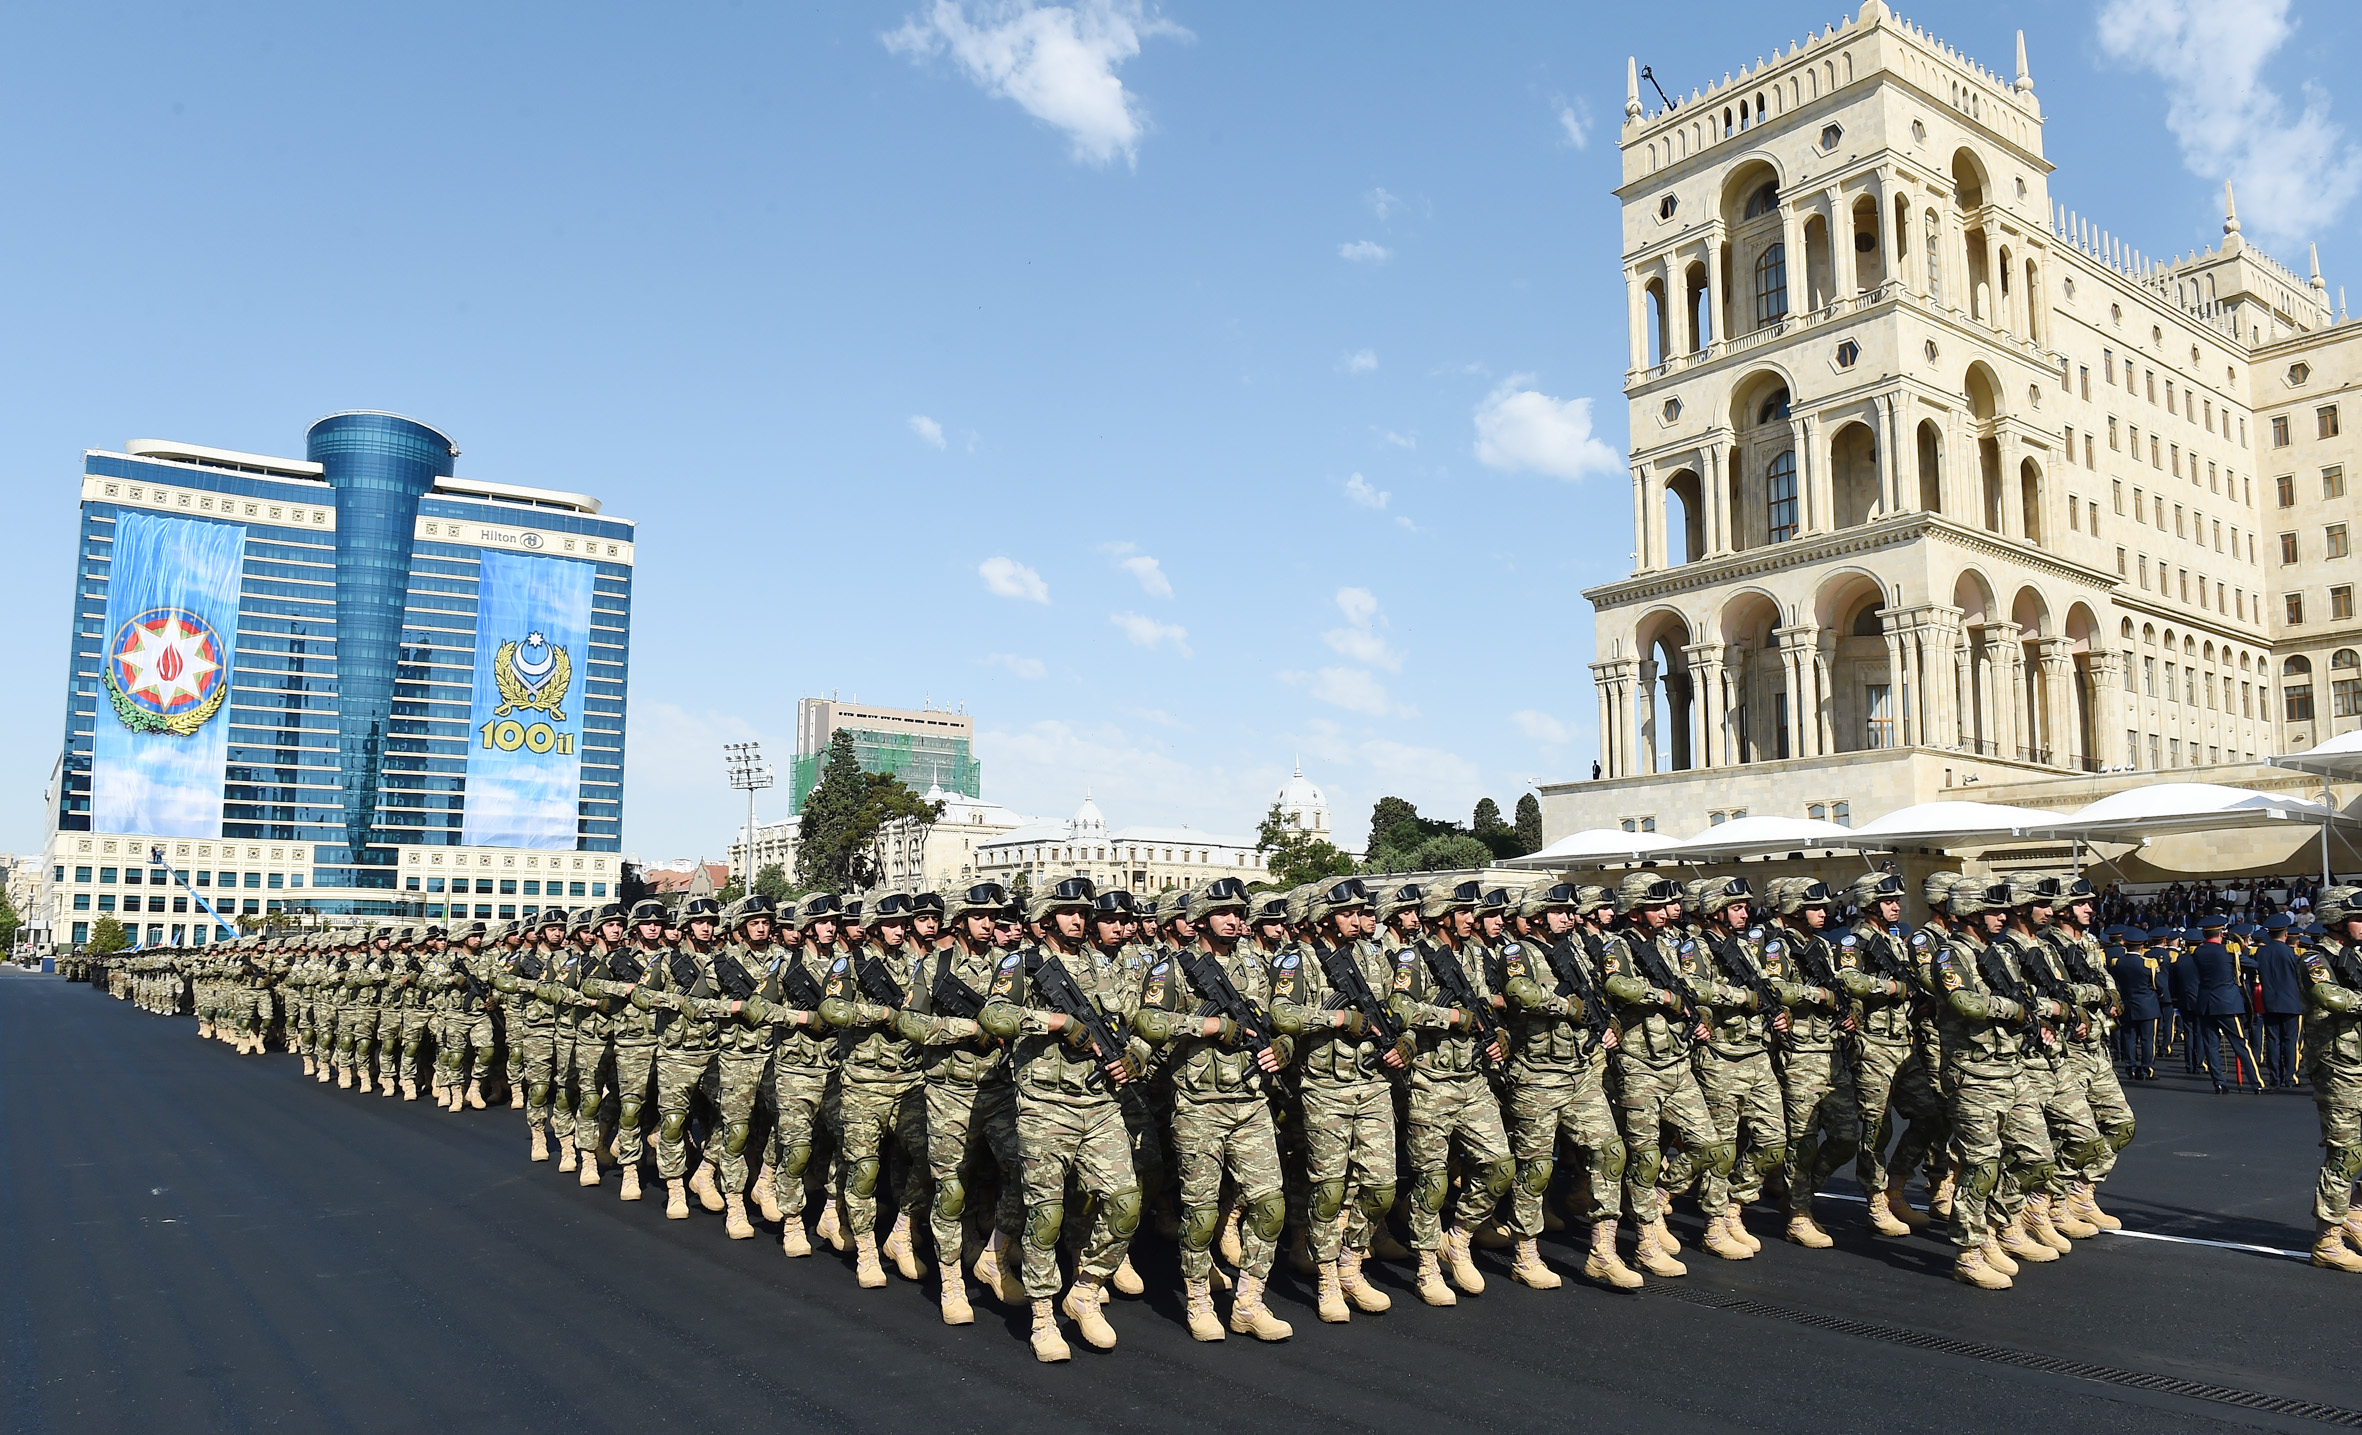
(1594, 847)
(1758, 836)
(2339, 758)
(2166, 808)
(1951, 824)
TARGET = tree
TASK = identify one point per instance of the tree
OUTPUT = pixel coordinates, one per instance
(1451, 851)
(1529, 823)
(9, 922)
(771, 882)
(1296, 856)
(106, 937)
(1487, 820)
(840, 845)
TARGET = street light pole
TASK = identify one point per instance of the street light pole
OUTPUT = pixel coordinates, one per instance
(750, 775)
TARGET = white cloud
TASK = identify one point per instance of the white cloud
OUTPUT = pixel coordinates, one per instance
(1352, 689)
(1365, 251)
(1008, 578)
(1044, 767)
(1057, 62)
(1359, 605)
(1381, 203)
(1398, 440)
(927, 429)
(2297, 173)
(679, 806)
(1360, 642)
(1147, 632)
(1438, 781)
(1364, 495)
(1540, 726)
(1574, 124)
(1360, 361)
(1028, 668)
(1522, 429)
(1151, 574)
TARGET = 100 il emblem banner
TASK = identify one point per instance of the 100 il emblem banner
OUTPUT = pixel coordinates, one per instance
(524, 761)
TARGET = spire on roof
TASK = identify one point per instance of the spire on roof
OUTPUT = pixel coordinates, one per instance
(2232, 243)
(2025, 84)
(1631, 87)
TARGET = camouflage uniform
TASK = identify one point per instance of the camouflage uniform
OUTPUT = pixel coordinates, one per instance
(803, 1061)
(1747, 991)
(2087, 1068)
(1558, 1074)
(690, 1014)
(466, 1055)
(1656, 1089)
(2333, 1064)
(634, 1035)
(1816, 1078)
(1880, 970)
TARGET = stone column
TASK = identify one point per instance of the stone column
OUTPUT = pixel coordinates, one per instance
(2057, 657)
(1808, 507)
(1636, 318)
(1794, 249)
(1717, 322)
(1842, 271)
(2107, 706)
(1897, 670)
(1713, 492)
(2002, 706)
(1677, 319)
(1644, 523)
(1706, 704)
(1905, 496)
(1995, 316)
(1882, 188)
(2013, 516)
(1881, 424)
(1648, 751)
(1824, 653)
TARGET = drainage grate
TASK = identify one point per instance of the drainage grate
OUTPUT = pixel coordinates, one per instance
(2337, 1415)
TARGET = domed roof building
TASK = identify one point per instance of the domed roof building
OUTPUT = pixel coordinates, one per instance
(1303, 804)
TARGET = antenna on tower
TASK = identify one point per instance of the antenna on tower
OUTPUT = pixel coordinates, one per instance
(1649, 75)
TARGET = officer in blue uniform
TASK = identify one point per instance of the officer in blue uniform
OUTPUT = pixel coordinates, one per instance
(2139, 1031)
(2181, 985)
(2283, 976)
(2220, 1006)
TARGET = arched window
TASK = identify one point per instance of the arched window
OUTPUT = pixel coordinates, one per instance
(1771, 285)
(2298, 666)
(1935, 259)
(1764, 200)
(1774, 407)
(1780, 484)
(2345, 690)
(2296, 689)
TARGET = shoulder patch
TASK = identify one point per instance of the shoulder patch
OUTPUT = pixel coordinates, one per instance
(1849, 941)
(1919, 940)
(1775, 946)
(1009, 962)
(838, 965)
(1951, 976)
(1689, 949)
(1159, 969)
(1288, 962)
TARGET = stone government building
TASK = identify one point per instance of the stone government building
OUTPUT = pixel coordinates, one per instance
(1938, 485)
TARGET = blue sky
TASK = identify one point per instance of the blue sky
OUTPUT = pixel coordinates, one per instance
(1183, 389)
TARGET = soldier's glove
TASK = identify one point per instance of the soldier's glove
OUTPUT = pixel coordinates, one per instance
(2007, 1010)
(1354, 1023)
(1228, 1035)
(1571, 1006)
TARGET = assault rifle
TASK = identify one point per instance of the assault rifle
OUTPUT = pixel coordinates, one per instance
(736, 981)
(1574, 980)
(529, 966)
(1813, 961)
(1224, 999)
(1444, 966)
(1057, 987)
(1656, 973)
(626, 966)
(477, 991)
(952, 997)
(1346, 980)
(800, 988)
(877, 982)
(1735, 957)
(1993, 966)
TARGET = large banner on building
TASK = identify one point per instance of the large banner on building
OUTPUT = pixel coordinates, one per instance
(524, 771)
(158, 757)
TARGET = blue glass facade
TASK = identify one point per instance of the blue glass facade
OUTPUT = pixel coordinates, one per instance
(349, 707)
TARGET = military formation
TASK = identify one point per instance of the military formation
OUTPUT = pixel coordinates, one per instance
(1359, 1070)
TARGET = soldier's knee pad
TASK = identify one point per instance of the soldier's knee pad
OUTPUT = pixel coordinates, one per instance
(2119, 1137)
(734, 1140)
(1267, 1215)
(537, 1094)
(1123, 1212)
(1198, 1224)
(951, 1198)
(862, 1179)
(2084, 1153)
(629, 1116)
(1771, 1158)
(1720, 1156)
(1533, 1177)
(1328, 1198)
(671, 1127)
(1609, 1160)
(2034, 1175)
(1377, 1201)
(1980, 1180)
(1428, 1190)
(1642, 1163)
(798, 1157)
(1044, 1223)
(2342, 1163)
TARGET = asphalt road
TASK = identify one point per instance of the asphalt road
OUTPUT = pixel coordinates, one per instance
(191, 1240)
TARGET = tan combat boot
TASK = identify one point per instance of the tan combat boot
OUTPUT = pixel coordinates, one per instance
(1300, 1258)
(1049, 1347)
(2042, 1228)
(2015, 1240)
(1493, 1236)
(905, 1254)
(1010, 1285)
(734, 1222)
(475, 1097)
(1661, 1233)
(1997, 1258)
(1654, 1250)
(1719, 1241)
(1126, 1280)
(988, 1262)
(1736, 1227)
(1198, 1307)
(1898, 1205)
(307, 1063)
(1430, 1281)
(1529, 1269)
(1970, 1269)
(956, 1310)
(2330, 1251)
(831, 1228)
(2066, 1222)
(794, 1242)
(540, 1142)
(1249, 1316)
(385, 1083)
(410, 1091)
(1604, 1265)
(1939, 1196)
(2084, 1201)
(344, 1078)
(322, 1073)
(1085, 1305)
(516, 1096)
(1806, 1232)
(631, 1182)
(565, 1149)
(766, 1194)
(866, 1269)
(701, 1181)
(676, 1200)
(1460, 1263)
(589, 1168)
(1364, 1296)
(1228, 1245)
(1882, 1216)
(1333, 1309)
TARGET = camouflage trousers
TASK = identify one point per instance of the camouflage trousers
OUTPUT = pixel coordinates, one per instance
(1546, 1106)
(356, 1033)
(2075, 1139)
(679, 1076)
(1234, 1136)
(2337, 1099)
(970, 1127)
(2002, 1145)
(391, 1020)
(1652, 1098)
(738, 1081)
(635, 1077)
(508, 1034)
(1824, 1125)
(1890, 1081)
(1445, 1107)
(464, 1034)
(537, 1069)
(1743, 1097)
(803, 1108)
(590, 1070)
(2092, 1072)
(1348, 1134)
(874, 1115)
(1087, 1140)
